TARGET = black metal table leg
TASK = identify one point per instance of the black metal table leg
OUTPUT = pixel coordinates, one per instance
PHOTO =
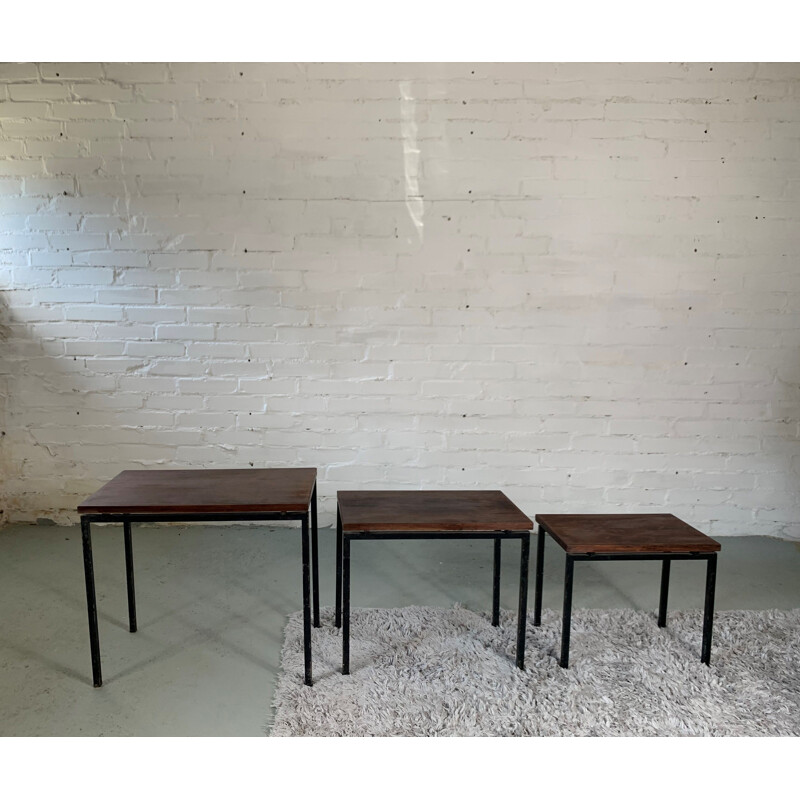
(91, 602)
(338, 615)
(537, 596)
(567, 618)
(522, 609)
(126, 526)
(315, 556)
(306, 604)
(708, 612)
(346, 608)
(664, 595)
(496, 584)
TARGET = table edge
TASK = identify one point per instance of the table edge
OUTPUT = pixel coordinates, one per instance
(288, 508)
(379, 528)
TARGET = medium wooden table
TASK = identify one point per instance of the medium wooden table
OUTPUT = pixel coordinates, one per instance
(202, 495)
(411, 514)
(625, 537)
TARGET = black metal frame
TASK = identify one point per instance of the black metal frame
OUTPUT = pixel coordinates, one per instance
(309, 569)
(343, 539)
(666, 561)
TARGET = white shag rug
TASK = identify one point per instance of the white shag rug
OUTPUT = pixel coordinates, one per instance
(420, 671)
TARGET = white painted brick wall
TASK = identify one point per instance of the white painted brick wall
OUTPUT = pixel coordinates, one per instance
(578, 283)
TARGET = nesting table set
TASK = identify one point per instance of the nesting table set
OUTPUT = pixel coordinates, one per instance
(216, 495)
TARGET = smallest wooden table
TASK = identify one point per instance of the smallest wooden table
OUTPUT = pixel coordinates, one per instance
(625, 537)
(415, 514)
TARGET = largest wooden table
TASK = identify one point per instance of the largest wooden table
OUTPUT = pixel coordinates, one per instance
(202, 495)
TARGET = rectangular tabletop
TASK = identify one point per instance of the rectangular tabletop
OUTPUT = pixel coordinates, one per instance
(434, 511)
(182, 491)
(607, 534)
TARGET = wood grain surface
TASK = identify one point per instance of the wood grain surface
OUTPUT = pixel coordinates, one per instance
(424, 510)
(204, 491)
(625, 533)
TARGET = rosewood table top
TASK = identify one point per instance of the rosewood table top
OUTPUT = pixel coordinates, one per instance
(181, 491)
(423, 510)
(608, 534)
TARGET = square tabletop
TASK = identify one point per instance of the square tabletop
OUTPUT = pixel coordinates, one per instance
(608, 534)
(429, 511)
(181, 491)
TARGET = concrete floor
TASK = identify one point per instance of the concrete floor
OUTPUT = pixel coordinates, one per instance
(212, 603)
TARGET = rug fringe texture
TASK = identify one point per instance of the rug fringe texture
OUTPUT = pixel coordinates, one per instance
(419, 671)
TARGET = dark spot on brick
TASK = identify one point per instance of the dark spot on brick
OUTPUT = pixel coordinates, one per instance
(241, 75)
(695, 249)
(690, 308)
(242, 133)
(685, 363)
(245, 249)
(58, 74)
(467, 306)
(244, 191)
(251, 463)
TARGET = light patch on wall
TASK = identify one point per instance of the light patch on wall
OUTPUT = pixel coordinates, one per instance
(411, 156)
